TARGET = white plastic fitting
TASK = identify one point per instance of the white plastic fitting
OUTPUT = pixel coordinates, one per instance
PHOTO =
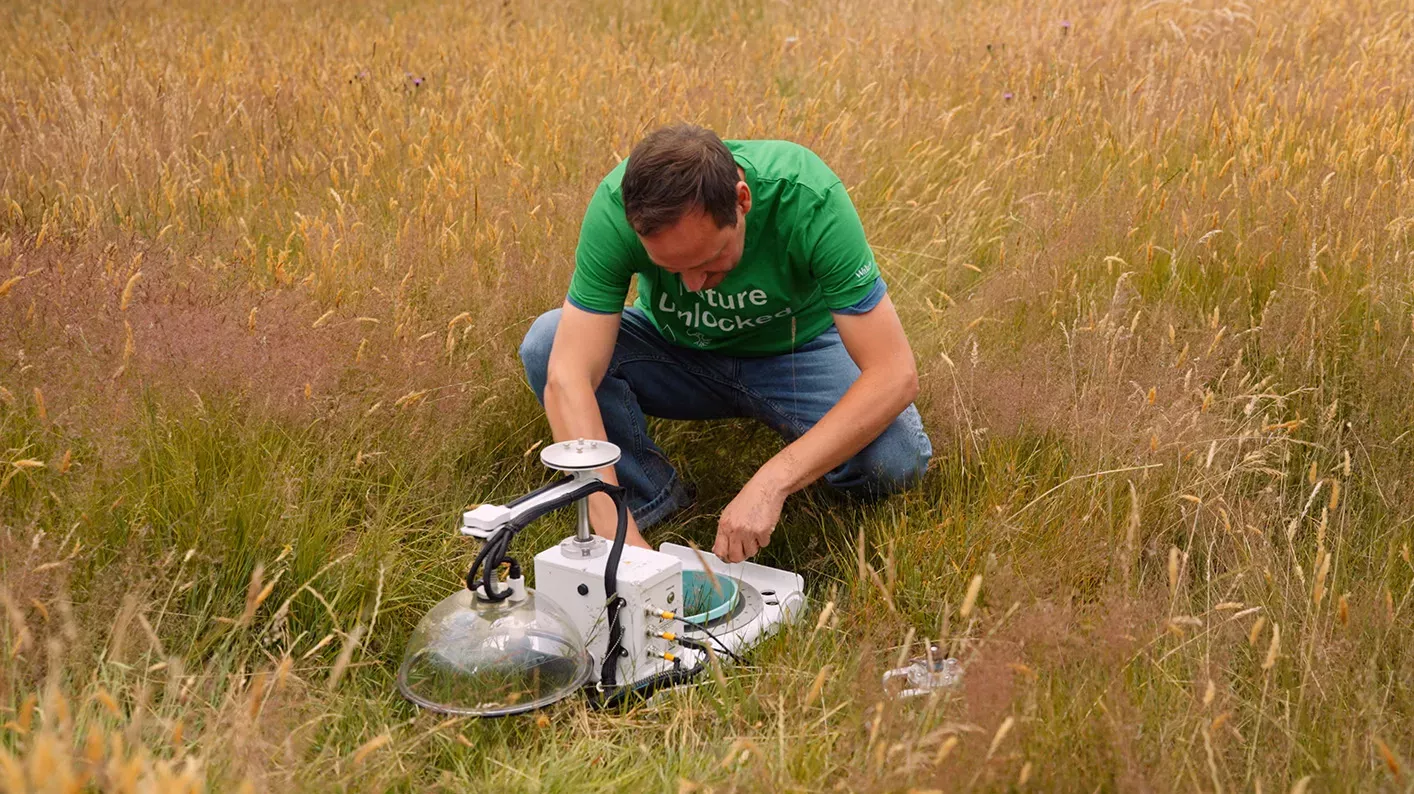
(485, 520)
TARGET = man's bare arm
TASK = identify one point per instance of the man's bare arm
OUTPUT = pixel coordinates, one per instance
(887, 383)
(579, 358)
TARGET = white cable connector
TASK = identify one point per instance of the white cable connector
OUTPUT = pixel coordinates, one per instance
(517, 586)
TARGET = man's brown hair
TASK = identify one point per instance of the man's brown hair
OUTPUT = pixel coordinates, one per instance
(675, 169)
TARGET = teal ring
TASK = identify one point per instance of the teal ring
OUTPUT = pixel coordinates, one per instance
(702, 602)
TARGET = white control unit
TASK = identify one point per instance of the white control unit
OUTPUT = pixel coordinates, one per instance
(572, 576)
(574, 580)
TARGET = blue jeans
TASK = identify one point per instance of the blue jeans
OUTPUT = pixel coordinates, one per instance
(648, 376)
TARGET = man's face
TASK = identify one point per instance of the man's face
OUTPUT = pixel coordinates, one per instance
(696, 249)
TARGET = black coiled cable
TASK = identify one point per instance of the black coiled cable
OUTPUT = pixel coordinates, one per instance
(492, 554)
(494, 550)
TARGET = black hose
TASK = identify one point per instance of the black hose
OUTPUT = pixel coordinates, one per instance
(485, 556)
(677, 676)
(498, 544)
(493, 551)
(707, 649)
(542, 489)
(589, 487)
(608, 674)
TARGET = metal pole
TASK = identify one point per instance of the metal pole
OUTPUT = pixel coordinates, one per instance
(582, 532)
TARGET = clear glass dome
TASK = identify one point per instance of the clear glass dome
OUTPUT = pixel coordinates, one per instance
(490, 659)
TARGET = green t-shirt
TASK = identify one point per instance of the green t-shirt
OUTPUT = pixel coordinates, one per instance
(805, 256)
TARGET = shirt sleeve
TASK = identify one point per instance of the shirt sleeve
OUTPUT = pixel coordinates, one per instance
(869, 301)
(840, 258)
(601, 260)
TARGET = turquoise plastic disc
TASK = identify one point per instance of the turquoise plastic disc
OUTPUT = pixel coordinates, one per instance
(703, 600)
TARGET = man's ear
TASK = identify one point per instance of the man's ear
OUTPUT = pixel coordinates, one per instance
(743, 197)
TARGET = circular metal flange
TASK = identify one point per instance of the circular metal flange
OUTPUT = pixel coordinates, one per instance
(577, 549)
(579, 455)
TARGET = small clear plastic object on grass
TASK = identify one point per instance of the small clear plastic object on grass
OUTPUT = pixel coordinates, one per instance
(923, 675)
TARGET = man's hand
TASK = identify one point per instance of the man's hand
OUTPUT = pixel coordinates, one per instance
(746, 525)
(887, 383)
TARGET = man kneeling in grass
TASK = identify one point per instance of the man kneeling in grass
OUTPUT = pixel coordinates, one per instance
(758, 297)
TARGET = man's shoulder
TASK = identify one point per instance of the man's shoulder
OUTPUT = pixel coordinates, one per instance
(604, 223)
(768, 146)
(611, 186)
(785, 161)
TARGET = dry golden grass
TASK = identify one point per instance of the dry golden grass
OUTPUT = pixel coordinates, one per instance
(263, 271)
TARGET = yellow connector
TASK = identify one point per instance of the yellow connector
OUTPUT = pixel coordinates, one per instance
(664, 655)
(659, 613)
(665, 635)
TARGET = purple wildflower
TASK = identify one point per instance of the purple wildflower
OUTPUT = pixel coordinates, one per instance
(1008, 96)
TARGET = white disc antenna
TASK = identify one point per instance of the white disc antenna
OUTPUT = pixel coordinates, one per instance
(579, 455)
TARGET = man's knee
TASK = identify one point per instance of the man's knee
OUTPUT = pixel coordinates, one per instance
(893, 462)
(535, 350)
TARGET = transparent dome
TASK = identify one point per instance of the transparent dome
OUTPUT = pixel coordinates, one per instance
(490, 659)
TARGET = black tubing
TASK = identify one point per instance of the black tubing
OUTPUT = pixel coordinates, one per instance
(721, 646)
(608, 673)
(502, 542)
(708, 650)
(584, 491)
(542, 489)
(493, 551)
(675, 677)
(486, 556)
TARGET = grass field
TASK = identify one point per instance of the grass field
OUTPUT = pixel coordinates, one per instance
(263, 273)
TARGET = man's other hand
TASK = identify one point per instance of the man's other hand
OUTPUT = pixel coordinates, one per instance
(746, 525)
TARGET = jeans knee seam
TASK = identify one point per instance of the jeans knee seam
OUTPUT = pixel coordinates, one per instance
(706, 375)
(911, 474)
(787, 419)
(644, 515)
(618, 363)
(640, 432)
